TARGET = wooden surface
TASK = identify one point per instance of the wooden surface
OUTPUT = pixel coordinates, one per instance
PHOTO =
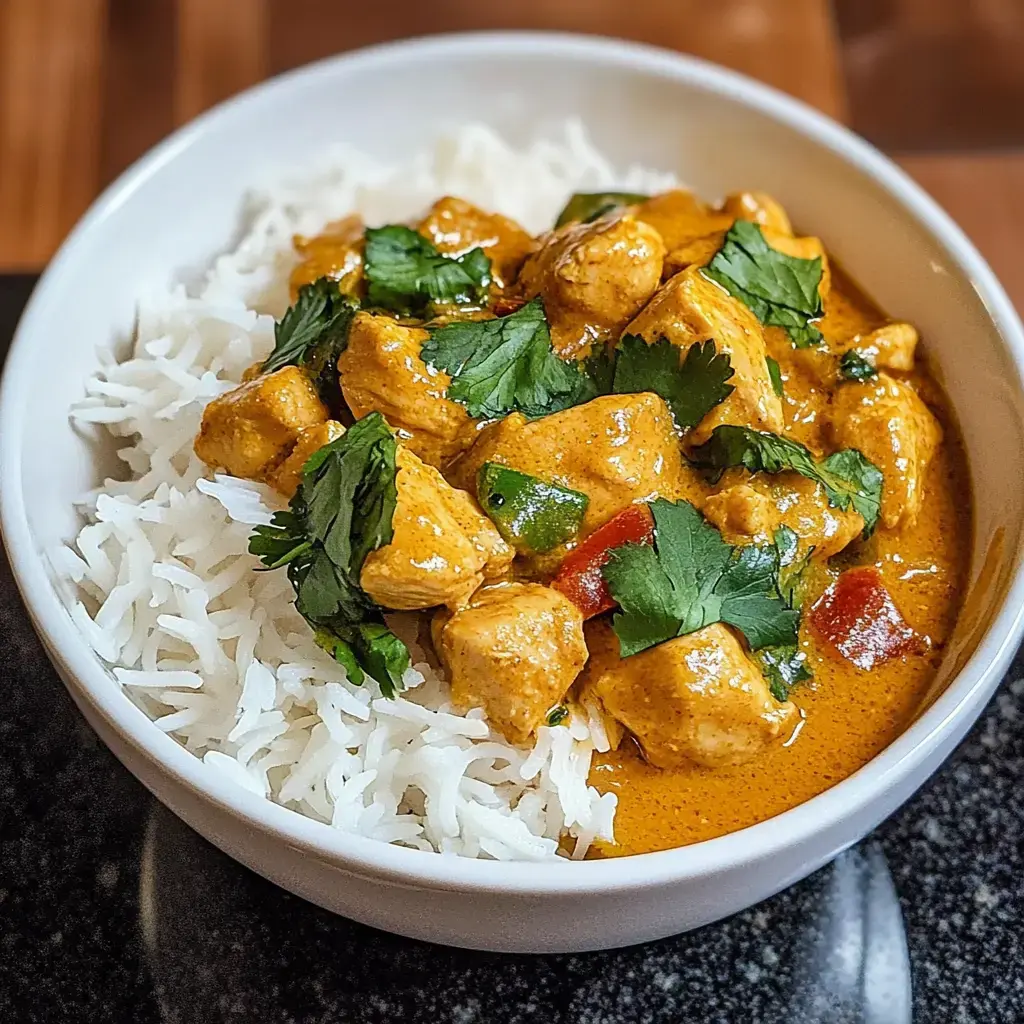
(86, 86)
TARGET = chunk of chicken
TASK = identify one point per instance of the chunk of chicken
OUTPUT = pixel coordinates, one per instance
(248, 429)
(742, 513)
(381, 370)
(891, 347)
(594, 278)
(443, 546)
(455, 227)
(514, 651)
(617, 449)
(690, 308)
(888, 423)
(696, 253)
(802, 505)
(337, 253)
(287, 474)
(680, 218)
(696, 698)
(749, 512)
(760, 208)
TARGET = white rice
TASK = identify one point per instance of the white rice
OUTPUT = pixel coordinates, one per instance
(215, 653)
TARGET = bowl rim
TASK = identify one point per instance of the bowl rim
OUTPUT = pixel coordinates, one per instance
(84, 673)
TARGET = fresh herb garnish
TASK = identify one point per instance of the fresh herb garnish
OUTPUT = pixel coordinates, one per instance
(312, 334)
(792, 566)
(405, 272)
(853, 366)
(504, 365)
(343, 510)
(597, 373)
(588, 206)
(783, 667)
(781, 291)
(691, 386)
(847, 478)
(786, 665)
(775, 373)
(557, 715)
(692, 578)
(533, 515)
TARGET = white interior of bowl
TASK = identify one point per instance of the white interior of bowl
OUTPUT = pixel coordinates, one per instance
(719, 132)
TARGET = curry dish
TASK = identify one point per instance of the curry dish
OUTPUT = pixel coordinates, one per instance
(663, 469)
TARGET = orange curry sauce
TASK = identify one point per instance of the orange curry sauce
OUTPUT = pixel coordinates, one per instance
(849, 715)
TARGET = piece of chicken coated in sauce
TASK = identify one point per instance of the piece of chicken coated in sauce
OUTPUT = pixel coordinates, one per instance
(760, 208)
(890, 347)
(690, 308)
(750, 511)
(335, 253)
(617, 449)
(442, 549)
(593, 278)
(514, 650)
(456, 226)
(886, 420)
(248, 429)
(681, 218)
(381, 370)
(697, 698)
(286, 476)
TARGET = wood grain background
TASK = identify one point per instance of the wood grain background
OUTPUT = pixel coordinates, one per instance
(86, 86)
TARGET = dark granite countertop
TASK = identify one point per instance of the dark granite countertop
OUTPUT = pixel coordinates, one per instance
(112, 910)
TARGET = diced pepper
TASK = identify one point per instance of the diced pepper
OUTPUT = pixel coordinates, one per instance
(579, 577)
(859, 619)
(533, 515)
(588, 206)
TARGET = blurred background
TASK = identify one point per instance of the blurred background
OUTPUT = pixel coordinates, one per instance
(86, 86)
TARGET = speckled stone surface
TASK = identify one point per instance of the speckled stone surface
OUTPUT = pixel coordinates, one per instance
(111, 910)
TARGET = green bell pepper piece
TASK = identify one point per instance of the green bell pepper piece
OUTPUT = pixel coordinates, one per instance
(533, 515)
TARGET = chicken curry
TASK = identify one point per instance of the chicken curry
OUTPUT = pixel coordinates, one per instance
(663, 467)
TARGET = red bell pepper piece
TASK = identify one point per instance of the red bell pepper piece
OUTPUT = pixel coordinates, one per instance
(579, 576)
(858, 618)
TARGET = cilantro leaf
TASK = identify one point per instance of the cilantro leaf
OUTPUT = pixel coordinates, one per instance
(342, 652)
(775, 373)
(847, 477)
(505, 364)
(750, 601)
(597, 373)
(792, 566)
(405, 272)
(279, 542)
(343, 510)
(781, 291)
(587, 206)
(312, 333)
(557, 715)
(692, 578)
(787, 540)
(783, 667)
(652, 608)
(853, 366)
(691, 386)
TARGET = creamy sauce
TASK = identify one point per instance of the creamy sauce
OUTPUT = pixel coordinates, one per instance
(849, 715)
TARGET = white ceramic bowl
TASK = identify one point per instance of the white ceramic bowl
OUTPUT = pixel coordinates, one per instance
(719, 131)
